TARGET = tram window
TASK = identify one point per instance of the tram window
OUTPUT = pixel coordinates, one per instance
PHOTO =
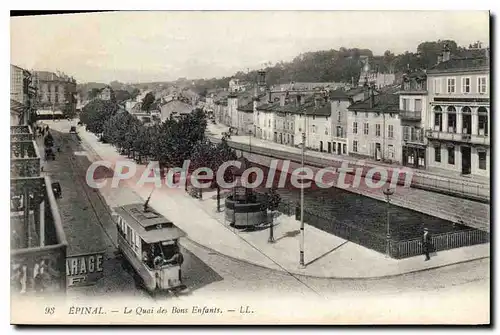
(137, 243)
(129, 232)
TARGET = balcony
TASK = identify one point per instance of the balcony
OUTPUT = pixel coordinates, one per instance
(24, 159)
(21, 133)
(416, 137)
(456, 137)
(410, 115)
(38, 242)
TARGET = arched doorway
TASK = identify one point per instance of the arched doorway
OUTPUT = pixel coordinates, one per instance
(452, 119)
(482, 114)
(466, 120)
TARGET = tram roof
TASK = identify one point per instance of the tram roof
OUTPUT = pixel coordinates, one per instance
(145, 223)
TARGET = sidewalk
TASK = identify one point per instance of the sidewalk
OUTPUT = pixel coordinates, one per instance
(326, 255)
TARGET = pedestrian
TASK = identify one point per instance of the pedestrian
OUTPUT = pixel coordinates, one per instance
(427, 244)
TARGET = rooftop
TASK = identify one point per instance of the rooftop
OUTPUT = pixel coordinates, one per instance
(384, 102)
(462, 64)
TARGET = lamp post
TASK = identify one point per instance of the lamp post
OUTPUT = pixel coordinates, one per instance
(388, 192)
(301, 262)
(250, 140)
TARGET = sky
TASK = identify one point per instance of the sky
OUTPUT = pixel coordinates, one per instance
(163, 46)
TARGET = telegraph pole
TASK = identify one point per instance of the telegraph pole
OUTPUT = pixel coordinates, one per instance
(301, 263)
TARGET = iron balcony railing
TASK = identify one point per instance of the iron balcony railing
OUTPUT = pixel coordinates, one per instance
(38, 242)
(415, 136)
(24, 159)
(410, 115)
(21, 133)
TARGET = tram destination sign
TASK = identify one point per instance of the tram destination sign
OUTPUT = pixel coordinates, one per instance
(84, 270)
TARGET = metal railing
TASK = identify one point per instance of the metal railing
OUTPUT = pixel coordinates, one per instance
(37, 238)
(440, 242)
(410, 115)
(458, 137)
(352, 233)
(475, 190)
(21, 133)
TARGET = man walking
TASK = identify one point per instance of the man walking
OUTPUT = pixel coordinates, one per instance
(426, 244)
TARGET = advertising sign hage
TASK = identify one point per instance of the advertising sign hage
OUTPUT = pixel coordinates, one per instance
(84, 270)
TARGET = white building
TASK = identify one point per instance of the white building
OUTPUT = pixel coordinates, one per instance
(374, 128)
(459, 123)
(413, 103)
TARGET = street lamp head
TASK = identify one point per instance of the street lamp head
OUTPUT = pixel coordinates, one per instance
(388, 191)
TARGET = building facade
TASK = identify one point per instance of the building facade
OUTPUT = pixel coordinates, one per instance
(106, 93)
(22, 96)
(56, 92)
(413, 113)
(459, 124)
(374, 128)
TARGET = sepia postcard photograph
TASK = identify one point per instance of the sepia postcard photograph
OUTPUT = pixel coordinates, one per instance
(250, 167)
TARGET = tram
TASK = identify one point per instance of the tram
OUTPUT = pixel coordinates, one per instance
(149, 243)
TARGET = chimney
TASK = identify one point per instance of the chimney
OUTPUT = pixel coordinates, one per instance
(282, 100)
(446, 53)
(269, 97)
(372, 97)
(299, 99)
(366, 92)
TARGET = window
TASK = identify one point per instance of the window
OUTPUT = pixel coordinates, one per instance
(418, 105)
(367, 114)
(437, 85)
(406, 104)
(338, 117)
(314, 129)
(451, 155)
(377, 130)
(437, 154)
(481, 85)
(451, 85)
(390, 148)
(354, 127)
(482, 160)
(344, 149)
(483, 124)
(355, 146)
(269, 123)
(340, 131)
(465, 85)
(366, 128)
(326, 131)
(390, 131)
(314, 117)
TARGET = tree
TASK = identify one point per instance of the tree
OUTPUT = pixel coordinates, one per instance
(273, 200)
(96, 113)
(93, 93)
(222, 153)
(147, 101)
(122, 95)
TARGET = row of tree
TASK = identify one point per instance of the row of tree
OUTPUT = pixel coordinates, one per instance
(170, 143)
